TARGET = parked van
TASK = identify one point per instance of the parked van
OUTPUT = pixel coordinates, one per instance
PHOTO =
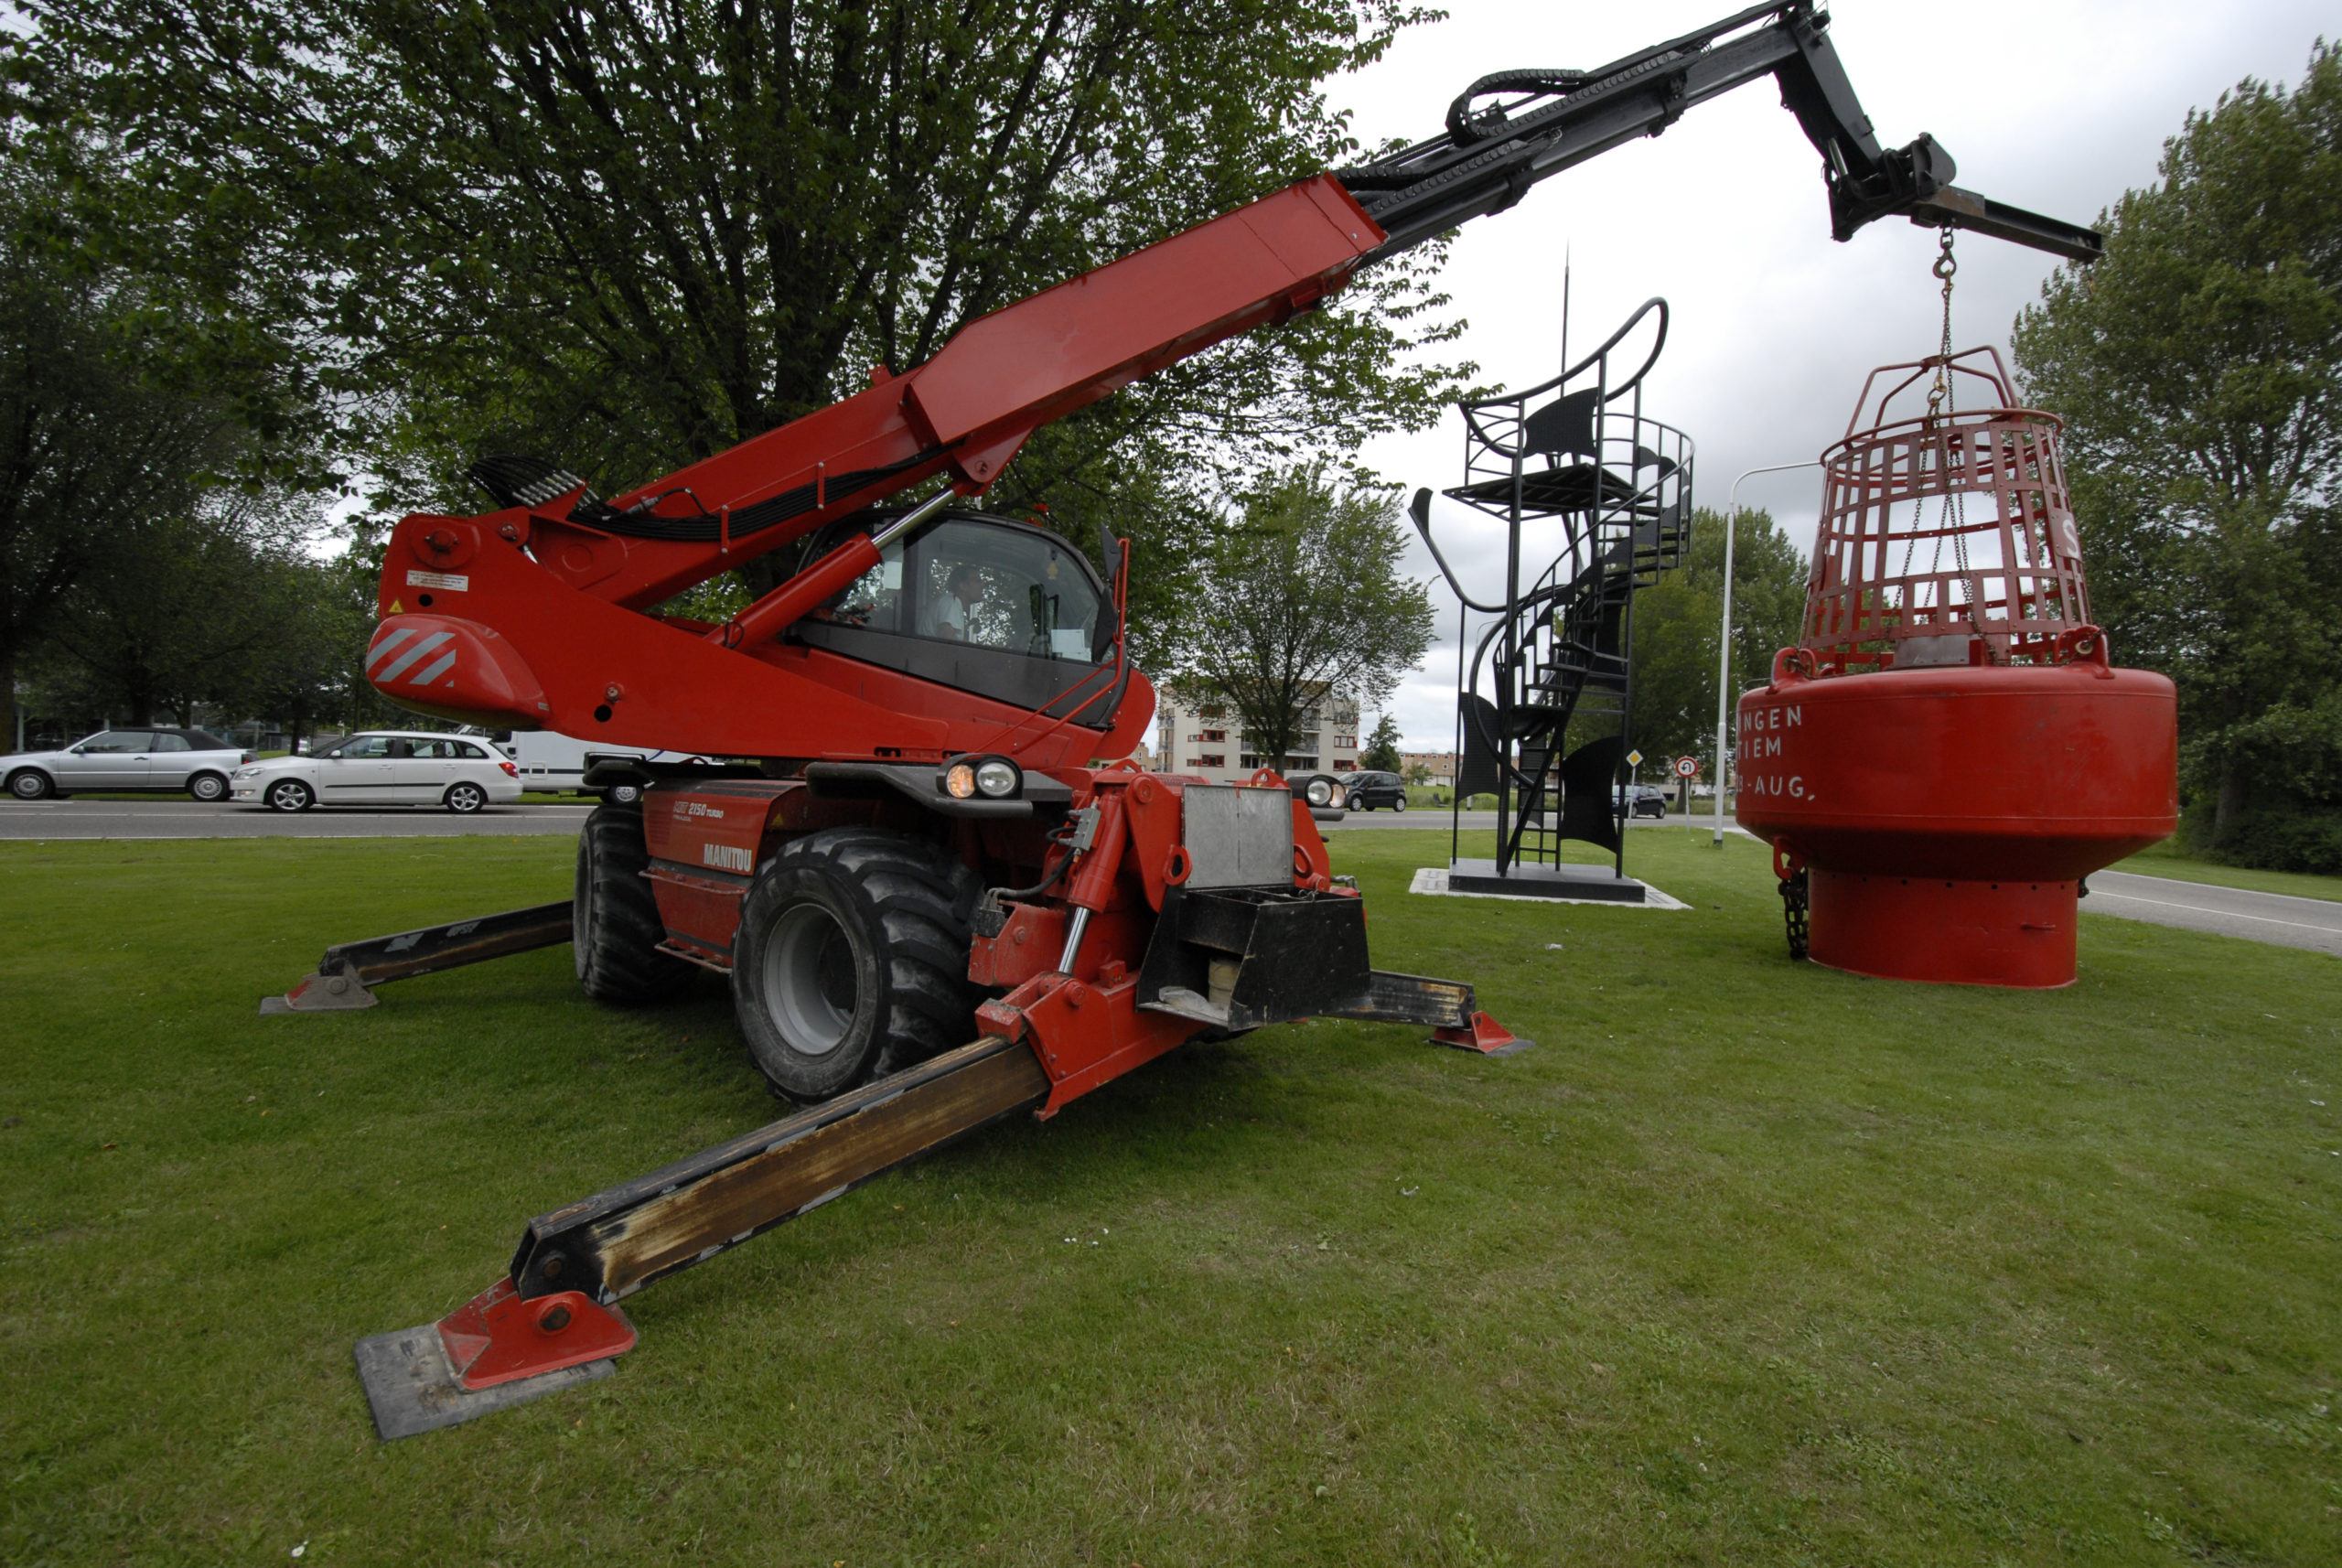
(549, 760)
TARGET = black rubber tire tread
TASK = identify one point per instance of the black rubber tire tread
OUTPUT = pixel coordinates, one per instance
(913, 902)
(48, 785)
(614, 928)
(194, 794)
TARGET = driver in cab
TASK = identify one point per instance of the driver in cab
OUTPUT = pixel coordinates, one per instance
(963, 590)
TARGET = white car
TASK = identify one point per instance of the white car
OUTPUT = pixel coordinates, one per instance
(186, 759)
(385, 767)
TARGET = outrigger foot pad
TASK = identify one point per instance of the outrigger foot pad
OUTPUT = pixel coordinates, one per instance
(338, 992)
(495, 1351)
(1483, 1034)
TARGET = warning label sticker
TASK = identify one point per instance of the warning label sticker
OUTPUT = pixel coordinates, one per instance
(454, 582)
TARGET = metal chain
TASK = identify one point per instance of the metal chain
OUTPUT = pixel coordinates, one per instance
(1796, 903)
(1940, 393)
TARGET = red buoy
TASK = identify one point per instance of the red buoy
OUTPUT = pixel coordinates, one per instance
(1948, 751)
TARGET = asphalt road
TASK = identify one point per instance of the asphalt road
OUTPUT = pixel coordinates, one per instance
(2274, 917)
(164, 818)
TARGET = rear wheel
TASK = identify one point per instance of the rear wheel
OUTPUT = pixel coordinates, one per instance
(207, 786)
(1400, 805)
(614, 928)
(463, 798)
(851, 961)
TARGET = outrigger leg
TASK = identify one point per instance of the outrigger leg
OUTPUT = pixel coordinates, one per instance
(346, 974)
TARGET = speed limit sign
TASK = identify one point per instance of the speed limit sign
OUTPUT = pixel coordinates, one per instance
(1687, 768)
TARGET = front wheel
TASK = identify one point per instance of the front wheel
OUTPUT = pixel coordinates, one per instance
(850, 960)
(208, 788)
(463, 798)
(614, 925)
(290, 795)
(30, 784)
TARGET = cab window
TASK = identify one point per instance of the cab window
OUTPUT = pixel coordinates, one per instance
(1002, 587)
(115, 742)
(875, 599)
(359, 746)
(166, 741)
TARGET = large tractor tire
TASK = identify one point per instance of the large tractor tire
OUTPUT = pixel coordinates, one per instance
(851, 961)
(614, 928)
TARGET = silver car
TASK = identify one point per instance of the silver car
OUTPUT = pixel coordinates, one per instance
(385, 767)
(171, 759)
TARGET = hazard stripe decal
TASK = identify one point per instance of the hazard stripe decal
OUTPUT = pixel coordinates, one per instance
(405, 661)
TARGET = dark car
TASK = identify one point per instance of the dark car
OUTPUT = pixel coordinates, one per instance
(1364, 792)
(1649, 799)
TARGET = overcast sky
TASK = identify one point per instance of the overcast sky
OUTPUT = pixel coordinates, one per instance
(2056, 105)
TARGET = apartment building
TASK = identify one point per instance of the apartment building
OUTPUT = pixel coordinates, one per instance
(1440, 764)
(1203, 736)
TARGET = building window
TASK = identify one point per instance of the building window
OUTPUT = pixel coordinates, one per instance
(1212, 734)
(1211, 760)
(1349, 740)
(1342, 767)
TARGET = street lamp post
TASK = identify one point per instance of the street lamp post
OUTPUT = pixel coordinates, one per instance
(1724, 638)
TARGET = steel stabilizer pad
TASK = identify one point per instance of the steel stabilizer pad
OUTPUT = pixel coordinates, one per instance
(494, 1352)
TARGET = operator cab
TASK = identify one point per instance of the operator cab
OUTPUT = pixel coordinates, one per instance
(982, 604)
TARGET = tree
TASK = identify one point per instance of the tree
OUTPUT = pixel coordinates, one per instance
(94, 437)
(1675, 629)
(1382, 751)
(629, 235)
(2198, 368)
(194, 606)
(1302, 599)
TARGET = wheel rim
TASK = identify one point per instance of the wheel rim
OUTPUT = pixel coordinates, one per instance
(809, 966)
(464, 798)
(287, 797)
(207, 789)
(27, 785)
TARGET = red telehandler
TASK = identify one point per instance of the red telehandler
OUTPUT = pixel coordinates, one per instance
(910, 844)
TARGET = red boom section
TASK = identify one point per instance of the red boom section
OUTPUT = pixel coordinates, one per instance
(527, 618)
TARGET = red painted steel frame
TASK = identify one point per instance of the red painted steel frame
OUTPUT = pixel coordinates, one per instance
(1949, 752)
(527, 619)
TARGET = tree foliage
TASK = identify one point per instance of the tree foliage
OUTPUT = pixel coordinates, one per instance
(1300, 598)
(1675, 629)
(97, 434)
(2198, 368)
(213, 603)
(1382, 751)
(631, 234)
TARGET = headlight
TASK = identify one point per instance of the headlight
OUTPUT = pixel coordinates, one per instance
(997, 779)
(994, 777)
(1321, 791)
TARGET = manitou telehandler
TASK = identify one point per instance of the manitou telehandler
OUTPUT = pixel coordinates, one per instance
(937, 906)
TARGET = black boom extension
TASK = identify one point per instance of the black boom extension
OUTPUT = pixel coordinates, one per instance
(347, 974)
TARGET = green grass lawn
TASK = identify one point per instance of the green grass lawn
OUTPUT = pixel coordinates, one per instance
(1745, 1262)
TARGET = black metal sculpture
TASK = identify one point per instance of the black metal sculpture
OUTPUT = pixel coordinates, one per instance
(1578, 450)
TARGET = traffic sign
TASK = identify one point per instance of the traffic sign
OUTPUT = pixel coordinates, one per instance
(1634, 759)
(1687, 768)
